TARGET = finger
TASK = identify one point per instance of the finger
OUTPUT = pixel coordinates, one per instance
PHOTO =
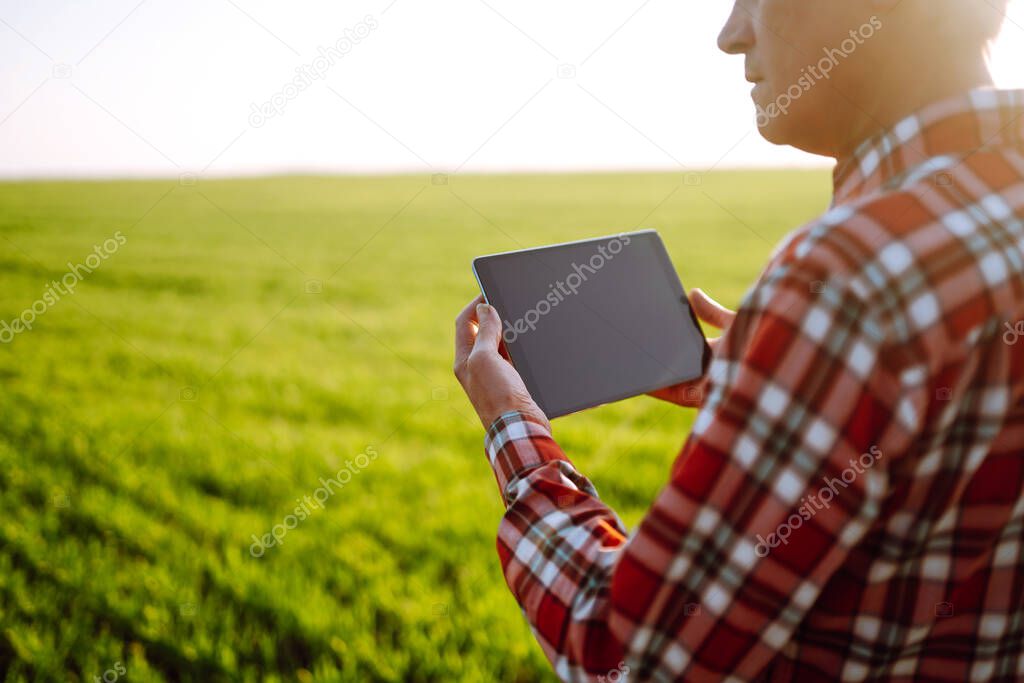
(489, 336)
(465, 329)
(665, 394)
(709, 310)
(676, 395)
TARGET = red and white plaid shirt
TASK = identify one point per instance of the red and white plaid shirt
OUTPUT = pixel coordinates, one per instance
(850, 502)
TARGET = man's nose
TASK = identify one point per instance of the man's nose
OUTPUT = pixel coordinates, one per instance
(737, 35)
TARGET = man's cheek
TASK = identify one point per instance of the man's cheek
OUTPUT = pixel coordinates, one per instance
(790, 35)
(783, 20)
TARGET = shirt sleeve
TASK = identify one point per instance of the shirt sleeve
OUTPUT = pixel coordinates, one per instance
(782, 475)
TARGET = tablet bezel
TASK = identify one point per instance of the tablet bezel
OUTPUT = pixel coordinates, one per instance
(519, 361)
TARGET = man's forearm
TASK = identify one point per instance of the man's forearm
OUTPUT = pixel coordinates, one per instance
(558, 544)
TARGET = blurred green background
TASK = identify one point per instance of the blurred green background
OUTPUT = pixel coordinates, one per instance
(248, 338)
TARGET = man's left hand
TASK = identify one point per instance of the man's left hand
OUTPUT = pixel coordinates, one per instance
(489, 380)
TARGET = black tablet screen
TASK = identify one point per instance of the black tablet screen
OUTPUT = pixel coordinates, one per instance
(591, 322)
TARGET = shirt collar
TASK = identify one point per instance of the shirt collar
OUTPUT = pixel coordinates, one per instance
(936, 137)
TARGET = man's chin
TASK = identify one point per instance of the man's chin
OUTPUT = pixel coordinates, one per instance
(774, 131)
(780, 127)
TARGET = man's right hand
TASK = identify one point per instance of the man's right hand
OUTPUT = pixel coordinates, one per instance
(691, 394)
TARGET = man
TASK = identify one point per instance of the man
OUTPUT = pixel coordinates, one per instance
(850, 502)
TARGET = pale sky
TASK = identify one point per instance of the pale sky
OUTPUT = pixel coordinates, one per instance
(162, 87)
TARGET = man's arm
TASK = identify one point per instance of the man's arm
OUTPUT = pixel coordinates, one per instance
(558, 544)
(787, 452)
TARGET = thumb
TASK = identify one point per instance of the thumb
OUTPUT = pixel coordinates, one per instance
(489, 334)
(709, 310)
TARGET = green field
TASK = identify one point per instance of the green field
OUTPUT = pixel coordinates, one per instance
(247, 339)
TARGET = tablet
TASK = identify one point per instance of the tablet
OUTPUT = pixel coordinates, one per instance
(594, 321)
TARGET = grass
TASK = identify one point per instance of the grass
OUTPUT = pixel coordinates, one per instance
(197, 383)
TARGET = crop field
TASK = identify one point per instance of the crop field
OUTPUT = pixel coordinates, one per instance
(205, 357)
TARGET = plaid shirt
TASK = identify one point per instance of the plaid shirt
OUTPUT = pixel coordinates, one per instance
(850, 502)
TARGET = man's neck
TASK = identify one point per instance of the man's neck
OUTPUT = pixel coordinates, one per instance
(887, 106)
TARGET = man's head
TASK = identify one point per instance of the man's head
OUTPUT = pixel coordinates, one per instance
(829, 73)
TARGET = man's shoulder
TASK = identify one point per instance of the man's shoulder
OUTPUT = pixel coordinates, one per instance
(861, 248)
(969, 205)
(853, 239)
(932, 251)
